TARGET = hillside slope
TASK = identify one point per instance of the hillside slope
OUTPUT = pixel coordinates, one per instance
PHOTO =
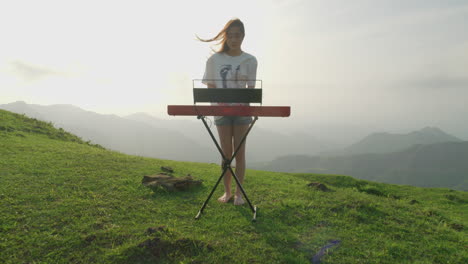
(63, 200)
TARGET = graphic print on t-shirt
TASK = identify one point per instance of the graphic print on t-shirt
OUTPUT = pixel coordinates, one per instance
(226, 75)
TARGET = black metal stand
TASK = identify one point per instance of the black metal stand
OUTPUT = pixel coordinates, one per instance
(227, 166)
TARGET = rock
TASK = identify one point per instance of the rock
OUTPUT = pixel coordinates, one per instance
(167, 169)
(170, 182)
(319, 186)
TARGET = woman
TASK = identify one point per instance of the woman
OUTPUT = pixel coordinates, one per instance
(231, 67)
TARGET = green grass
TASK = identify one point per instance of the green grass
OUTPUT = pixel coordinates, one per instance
(63, 200)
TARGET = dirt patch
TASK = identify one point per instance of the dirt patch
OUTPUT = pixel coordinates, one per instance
(183, 247)
(163, 245)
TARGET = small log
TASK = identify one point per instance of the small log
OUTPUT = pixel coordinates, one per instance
(170, 182)
(157, 177)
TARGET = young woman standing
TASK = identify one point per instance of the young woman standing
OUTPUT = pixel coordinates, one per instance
(231, 67)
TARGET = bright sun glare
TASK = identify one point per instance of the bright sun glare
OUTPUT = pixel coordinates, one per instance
(331, 61)
(110, 55)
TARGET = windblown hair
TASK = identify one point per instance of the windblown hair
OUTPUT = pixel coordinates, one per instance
(222, 35)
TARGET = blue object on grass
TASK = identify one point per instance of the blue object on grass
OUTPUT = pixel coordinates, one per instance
(323, 251)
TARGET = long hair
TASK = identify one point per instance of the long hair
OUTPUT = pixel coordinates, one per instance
(222, 35)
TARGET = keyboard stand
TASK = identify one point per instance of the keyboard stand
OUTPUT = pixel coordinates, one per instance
(227, 166)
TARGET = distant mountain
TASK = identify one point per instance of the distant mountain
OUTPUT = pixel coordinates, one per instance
(191, 129)
(432, 165)
(263, 144)
(174, 138)
(387, 143)
(117, 133)
(22, 107)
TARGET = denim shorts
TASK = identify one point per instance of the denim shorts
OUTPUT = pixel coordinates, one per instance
(233, 120)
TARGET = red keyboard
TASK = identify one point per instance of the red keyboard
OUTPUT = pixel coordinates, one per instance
(216, 110)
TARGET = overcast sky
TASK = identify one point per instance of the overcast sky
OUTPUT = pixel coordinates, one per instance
(388, 65)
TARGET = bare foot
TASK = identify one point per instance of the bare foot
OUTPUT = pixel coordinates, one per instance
(225, 198)
(238, 200)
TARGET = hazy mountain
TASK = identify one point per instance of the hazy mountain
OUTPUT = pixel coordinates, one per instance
(386, 142)
(263, 144)
(432, 165)
(176, 138)
(190, 129)
(117, 133)
(428, 165)
(22, 108)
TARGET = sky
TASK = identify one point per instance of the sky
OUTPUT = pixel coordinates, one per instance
(343, 66)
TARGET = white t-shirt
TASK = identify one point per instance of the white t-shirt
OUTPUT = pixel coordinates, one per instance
(226, 71)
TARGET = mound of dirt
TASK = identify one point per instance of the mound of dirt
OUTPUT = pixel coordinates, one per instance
(160, 247)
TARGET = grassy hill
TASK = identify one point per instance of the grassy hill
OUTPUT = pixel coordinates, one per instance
(63, 200)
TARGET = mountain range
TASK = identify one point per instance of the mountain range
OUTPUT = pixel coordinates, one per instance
(176, 139)
(117, 133)
(428, 157)
(425, 165)
(387, 142)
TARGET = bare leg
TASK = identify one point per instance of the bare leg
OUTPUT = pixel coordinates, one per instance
(239, 132)
(225, 138)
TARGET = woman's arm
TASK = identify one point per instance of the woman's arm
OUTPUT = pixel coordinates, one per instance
(210, 85)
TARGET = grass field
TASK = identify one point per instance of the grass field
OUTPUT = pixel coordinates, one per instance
(63, 200)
